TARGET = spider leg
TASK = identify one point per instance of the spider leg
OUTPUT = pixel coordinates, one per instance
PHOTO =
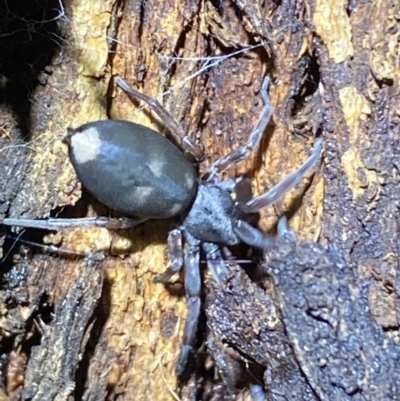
(284, 229)
(283, 226)
(60, 224)
(191, 260)
(257, 391)
(175, 251)
(215, 261)
(192, 289)
(253, 141)
(252, 236)
(280, 189)
(178, 134)
(226, 253)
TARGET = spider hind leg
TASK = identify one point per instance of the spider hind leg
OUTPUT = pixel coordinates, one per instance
(193, 292)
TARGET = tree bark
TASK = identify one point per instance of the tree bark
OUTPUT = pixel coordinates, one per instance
(100, 329)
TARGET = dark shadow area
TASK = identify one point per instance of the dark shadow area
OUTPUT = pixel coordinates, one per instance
(33, 331)
(98, 320)
(305, 105)
(310, 82)
(29, 38)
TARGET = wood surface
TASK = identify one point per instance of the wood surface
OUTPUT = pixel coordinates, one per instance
(99, 328)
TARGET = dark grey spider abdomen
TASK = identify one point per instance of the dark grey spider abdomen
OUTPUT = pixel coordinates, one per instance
(132, 168)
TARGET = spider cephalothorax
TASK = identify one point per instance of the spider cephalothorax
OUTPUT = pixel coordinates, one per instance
(135, 170)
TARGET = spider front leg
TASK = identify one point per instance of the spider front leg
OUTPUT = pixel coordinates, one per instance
(190, 148)
(280, 189)
(251, 235)
(284, 229)
(253, 141)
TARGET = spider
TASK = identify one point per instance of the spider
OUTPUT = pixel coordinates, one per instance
(137, 171)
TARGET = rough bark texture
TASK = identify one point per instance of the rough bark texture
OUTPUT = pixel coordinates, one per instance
(94, 329)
